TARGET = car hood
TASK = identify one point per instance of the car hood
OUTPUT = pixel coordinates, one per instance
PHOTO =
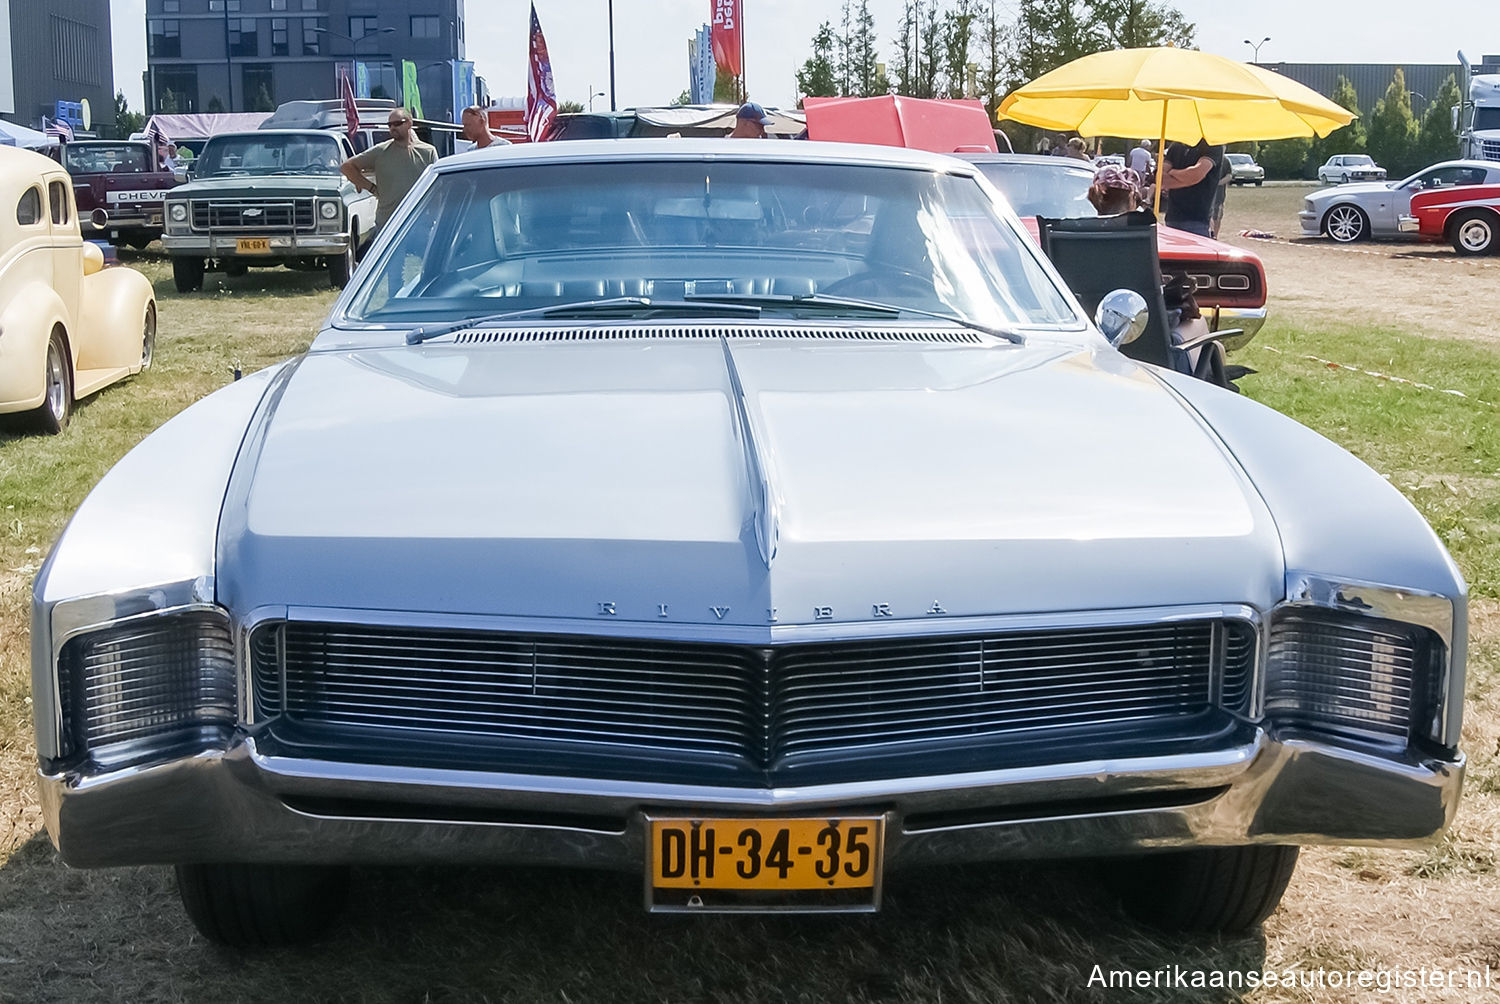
(245, 187)
(606, 483)
(1352, 188)
(1178, 245)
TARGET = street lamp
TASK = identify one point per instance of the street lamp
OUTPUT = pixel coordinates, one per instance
(1420, 95)
(1255, 47)
(594, 94)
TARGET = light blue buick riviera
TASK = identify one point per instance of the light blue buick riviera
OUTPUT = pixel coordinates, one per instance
(752, 517)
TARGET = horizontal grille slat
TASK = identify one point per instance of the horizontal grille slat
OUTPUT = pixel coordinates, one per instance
(743, 704)
(254, 214)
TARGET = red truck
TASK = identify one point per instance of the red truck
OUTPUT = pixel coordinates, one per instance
(1466, 216)
(119, 186)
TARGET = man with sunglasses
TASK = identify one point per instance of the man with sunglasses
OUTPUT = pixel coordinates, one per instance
(396, 165)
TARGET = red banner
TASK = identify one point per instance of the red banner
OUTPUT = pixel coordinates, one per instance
(726, 35)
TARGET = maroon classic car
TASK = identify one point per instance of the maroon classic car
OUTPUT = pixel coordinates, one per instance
(125, 181)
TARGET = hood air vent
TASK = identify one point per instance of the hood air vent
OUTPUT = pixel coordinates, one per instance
(737, 332)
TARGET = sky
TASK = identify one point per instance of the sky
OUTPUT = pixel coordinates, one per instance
(651, 39)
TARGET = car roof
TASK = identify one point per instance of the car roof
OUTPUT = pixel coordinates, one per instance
(649, 149)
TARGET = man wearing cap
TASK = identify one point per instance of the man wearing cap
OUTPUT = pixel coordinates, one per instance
(750, 122)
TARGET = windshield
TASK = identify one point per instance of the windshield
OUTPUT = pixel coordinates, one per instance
(526, 237)
(1239, 158)
(271, 154)
(124, 157)
(1059, 191)
(1359, 160)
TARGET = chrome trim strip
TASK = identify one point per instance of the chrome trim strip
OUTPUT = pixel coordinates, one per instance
(767, 502)
(1370, 599)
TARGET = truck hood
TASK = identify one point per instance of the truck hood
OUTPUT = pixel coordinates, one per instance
(603, 483)
(327, 186)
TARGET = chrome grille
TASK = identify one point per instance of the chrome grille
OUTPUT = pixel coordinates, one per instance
(742, 705)
(1489, 149)
(254, 214)
(1348, 675)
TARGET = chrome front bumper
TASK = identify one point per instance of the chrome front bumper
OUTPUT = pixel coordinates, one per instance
(282, 245)
(1248, 319)
(244, 806)
(1408, 224)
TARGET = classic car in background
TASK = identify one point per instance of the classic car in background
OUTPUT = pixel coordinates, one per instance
(754, 518)
(68, 325)
(267, 198)
(1231, 282)
(119, 187)
(1468, 217)
(1244, 170)
(1343, 168)
(1374, 209)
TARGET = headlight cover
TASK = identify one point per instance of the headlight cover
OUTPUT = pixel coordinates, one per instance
(148, 684)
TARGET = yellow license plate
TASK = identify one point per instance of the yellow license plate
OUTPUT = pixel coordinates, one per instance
(772, 855)
(253, 245)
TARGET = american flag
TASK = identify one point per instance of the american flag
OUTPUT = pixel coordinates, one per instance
(351, 107)
(58, 128)
(156, 137)
(541, 99)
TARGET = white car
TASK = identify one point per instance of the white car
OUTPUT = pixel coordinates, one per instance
(1374, 209)
(1245, 171)
(1343, 168)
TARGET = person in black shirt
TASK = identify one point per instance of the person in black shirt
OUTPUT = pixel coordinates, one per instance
(1190, 185)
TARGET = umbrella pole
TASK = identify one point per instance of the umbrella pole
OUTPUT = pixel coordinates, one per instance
(1161, 160)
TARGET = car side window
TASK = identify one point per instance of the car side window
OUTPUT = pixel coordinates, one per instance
(29, 209)
(57, 194)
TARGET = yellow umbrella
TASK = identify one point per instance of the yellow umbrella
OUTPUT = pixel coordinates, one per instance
(1178, 94)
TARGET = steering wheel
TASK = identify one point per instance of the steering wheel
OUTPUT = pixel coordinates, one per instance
(880, 282)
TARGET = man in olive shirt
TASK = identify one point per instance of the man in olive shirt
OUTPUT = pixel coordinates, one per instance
(397, 164)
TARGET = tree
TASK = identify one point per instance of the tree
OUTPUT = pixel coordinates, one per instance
(1137, 24)
(863, 56)
(994, 45)
(169, 103)
(126, 121)
(818, 77)
(844, 62)
(1284, 158)
(929, 53)
(1350, 139)
(726, 87)
(1436, 139)
(1392, 135)
(685, 98)
(569, 107)
(906, 50)
(958, 38)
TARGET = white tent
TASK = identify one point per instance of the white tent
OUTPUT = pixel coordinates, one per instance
(18, 135)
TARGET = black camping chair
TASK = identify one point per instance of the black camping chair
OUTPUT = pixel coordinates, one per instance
(1096, 255)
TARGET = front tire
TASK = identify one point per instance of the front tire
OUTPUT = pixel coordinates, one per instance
(1473, 232)
(52, 415)
(148, 338)
(1346, 224)
(258, 906)
(1215, 889)
(187, 274)
(342, 267)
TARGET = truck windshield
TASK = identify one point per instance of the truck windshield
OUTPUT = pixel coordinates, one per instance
(1487, 118)
(125, 158)
(270, 154)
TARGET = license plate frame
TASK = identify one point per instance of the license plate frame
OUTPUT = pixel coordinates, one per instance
(252, 245)
(740, 878)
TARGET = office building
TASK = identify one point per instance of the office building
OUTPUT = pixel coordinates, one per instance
(58, 50)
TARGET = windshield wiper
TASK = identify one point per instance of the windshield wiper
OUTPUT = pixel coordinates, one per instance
(850, 303)
(626, 306)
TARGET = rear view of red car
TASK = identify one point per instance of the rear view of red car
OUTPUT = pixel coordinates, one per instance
(125, 182)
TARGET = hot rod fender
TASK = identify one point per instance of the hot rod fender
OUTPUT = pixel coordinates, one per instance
(25, 328)
(112, 311)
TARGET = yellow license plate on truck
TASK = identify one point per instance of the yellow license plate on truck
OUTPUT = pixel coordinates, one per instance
(253, 245)
(767, 864)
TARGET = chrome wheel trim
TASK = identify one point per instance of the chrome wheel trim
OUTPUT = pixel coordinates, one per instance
(57, 381)
(1475, 235)
(1345, 224)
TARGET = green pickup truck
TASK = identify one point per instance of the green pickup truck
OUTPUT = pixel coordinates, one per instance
(266, 198)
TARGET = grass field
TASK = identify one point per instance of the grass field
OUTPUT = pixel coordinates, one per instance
(983, 934)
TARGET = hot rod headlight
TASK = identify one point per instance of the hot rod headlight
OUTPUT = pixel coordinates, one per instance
(148, 684)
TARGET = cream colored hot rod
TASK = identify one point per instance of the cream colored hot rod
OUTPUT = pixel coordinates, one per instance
(68, 325)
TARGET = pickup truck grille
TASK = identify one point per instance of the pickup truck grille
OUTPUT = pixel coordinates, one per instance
(742, 708)
(254, 215)
(1489, 149)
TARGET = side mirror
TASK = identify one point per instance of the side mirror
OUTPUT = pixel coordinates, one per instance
(1122, 316)
(1453, 112)
(182, 174)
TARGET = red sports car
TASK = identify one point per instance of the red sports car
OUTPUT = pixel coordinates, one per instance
(1466, 216)
(1229, 279)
